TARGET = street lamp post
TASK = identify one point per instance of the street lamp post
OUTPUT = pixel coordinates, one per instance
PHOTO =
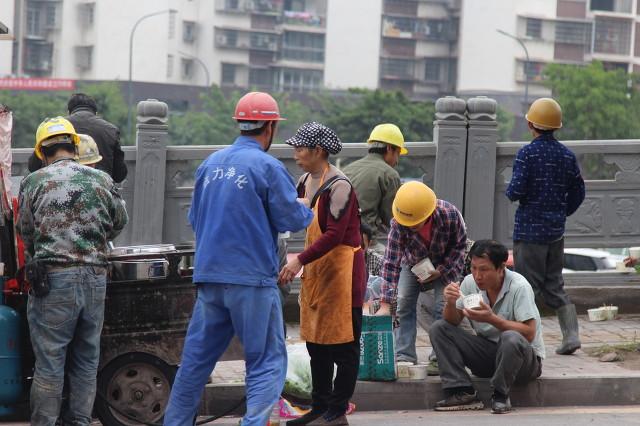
(133, 31)
(526, 65)
(202, 64)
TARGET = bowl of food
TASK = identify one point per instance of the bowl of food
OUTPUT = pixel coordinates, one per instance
(472, 301)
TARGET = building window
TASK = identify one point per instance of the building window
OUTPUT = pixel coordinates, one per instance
(169, 66)
(612, 36)
(619, 6)
(84, 57)
(51, 15)
(425, 29)
(263, 41)
(301, 46)
(172, 25)
(573, 32)
(295, 5)
(187, 68)
(33, 22)
(188, 31)
(87, 13)
(432, 70)
(38, 57)
(534, 28)
(397, 68)
(533, 71)
(298, 80)
(226, 38)
(260, 78)
(231, 5)
(228, 74)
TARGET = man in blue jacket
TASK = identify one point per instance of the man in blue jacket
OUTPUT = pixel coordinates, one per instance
(242, 199)
(549, 187)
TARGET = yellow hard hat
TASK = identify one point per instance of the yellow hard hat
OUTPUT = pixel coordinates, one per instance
(414, 203)
(51, 127)
(389, 134)
(88, 151)
(545, 114)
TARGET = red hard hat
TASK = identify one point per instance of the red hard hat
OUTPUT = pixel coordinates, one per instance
(257, 106)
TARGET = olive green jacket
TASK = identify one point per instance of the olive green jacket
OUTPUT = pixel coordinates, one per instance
(375, 183)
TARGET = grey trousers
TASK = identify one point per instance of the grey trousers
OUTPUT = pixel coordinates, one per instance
(511, 360)
(541, 265)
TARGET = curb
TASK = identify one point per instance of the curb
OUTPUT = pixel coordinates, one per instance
(423, 394)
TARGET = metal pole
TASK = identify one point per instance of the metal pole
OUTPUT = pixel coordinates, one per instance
(129, 91)
(202, 64)
(526, 65)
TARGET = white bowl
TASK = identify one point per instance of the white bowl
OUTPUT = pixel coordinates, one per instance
(472, 301)
(610, 312)
(418, 372)
(597, 314)
(403, 369)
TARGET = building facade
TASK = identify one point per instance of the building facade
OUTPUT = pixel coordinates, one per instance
(549, 31)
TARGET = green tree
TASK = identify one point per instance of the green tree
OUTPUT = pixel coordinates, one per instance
(505, 124)
(596, 103)
(31, 108)
(214, 125)
(355, 114)
(111, 105)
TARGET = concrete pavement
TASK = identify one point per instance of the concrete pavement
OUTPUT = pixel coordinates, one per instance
(567, 380)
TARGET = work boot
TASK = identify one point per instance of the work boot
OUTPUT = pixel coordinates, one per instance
(460, 401)
(330, 419)
(500, 404)
(569, 326)
(432, 368)
(307, 418)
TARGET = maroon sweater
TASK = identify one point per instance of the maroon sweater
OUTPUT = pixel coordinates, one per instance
(345, 230)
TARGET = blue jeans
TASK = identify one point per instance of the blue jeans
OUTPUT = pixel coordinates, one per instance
(254, 314)
(408, 292)
(65, 328)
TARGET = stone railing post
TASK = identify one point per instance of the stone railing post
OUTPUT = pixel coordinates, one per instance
(152, 137)
(479, 199)
(450, 137)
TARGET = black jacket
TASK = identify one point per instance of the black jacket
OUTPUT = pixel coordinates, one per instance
(107, 137)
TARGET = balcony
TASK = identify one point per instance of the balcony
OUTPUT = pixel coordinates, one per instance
(418, 29)
(290, 18)
(269, 7)
(245, 39)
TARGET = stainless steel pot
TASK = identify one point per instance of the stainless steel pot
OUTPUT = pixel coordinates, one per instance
(139, 270)
(134, 263)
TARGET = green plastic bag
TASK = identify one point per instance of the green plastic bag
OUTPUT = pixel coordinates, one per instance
(377, 352)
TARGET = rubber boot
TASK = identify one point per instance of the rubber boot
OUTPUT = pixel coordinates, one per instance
(569, 326)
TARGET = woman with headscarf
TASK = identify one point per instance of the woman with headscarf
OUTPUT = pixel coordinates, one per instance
(333, 280)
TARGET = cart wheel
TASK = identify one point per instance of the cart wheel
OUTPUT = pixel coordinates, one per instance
(136, 384)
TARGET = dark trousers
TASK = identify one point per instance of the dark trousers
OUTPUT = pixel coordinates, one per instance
(541, 265)
(511, 360)
(329, 394)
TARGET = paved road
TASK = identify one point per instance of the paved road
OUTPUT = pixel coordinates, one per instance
(569, 416)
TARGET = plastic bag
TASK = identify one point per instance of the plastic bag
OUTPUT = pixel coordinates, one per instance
(298, 381)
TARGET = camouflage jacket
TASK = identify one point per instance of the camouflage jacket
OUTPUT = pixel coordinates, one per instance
(67, 214)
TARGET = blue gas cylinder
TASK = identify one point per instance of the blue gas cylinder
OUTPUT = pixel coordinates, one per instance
(10, 371)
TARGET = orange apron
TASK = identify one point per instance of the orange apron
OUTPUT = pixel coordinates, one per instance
(326, 293)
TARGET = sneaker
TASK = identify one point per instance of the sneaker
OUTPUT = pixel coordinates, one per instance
(500, 405)
(329, 419)
(460, 402)
(307, 418)
(432, 368)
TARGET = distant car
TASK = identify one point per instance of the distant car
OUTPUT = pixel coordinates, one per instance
(589, 260)
(583, 260)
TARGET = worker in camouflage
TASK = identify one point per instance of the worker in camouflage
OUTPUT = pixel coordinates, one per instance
(68, 212)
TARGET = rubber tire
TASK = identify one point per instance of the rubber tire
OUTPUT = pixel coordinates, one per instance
(101, 409)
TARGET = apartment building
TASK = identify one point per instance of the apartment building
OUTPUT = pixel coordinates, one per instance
(505, 46)
(419, 46)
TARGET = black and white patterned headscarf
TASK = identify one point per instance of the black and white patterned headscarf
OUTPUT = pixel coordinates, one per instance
(313, 134)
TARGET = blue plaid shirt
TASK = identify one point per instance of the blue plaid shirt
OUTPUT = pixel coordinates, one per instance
(406, 247)
(547, 182)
